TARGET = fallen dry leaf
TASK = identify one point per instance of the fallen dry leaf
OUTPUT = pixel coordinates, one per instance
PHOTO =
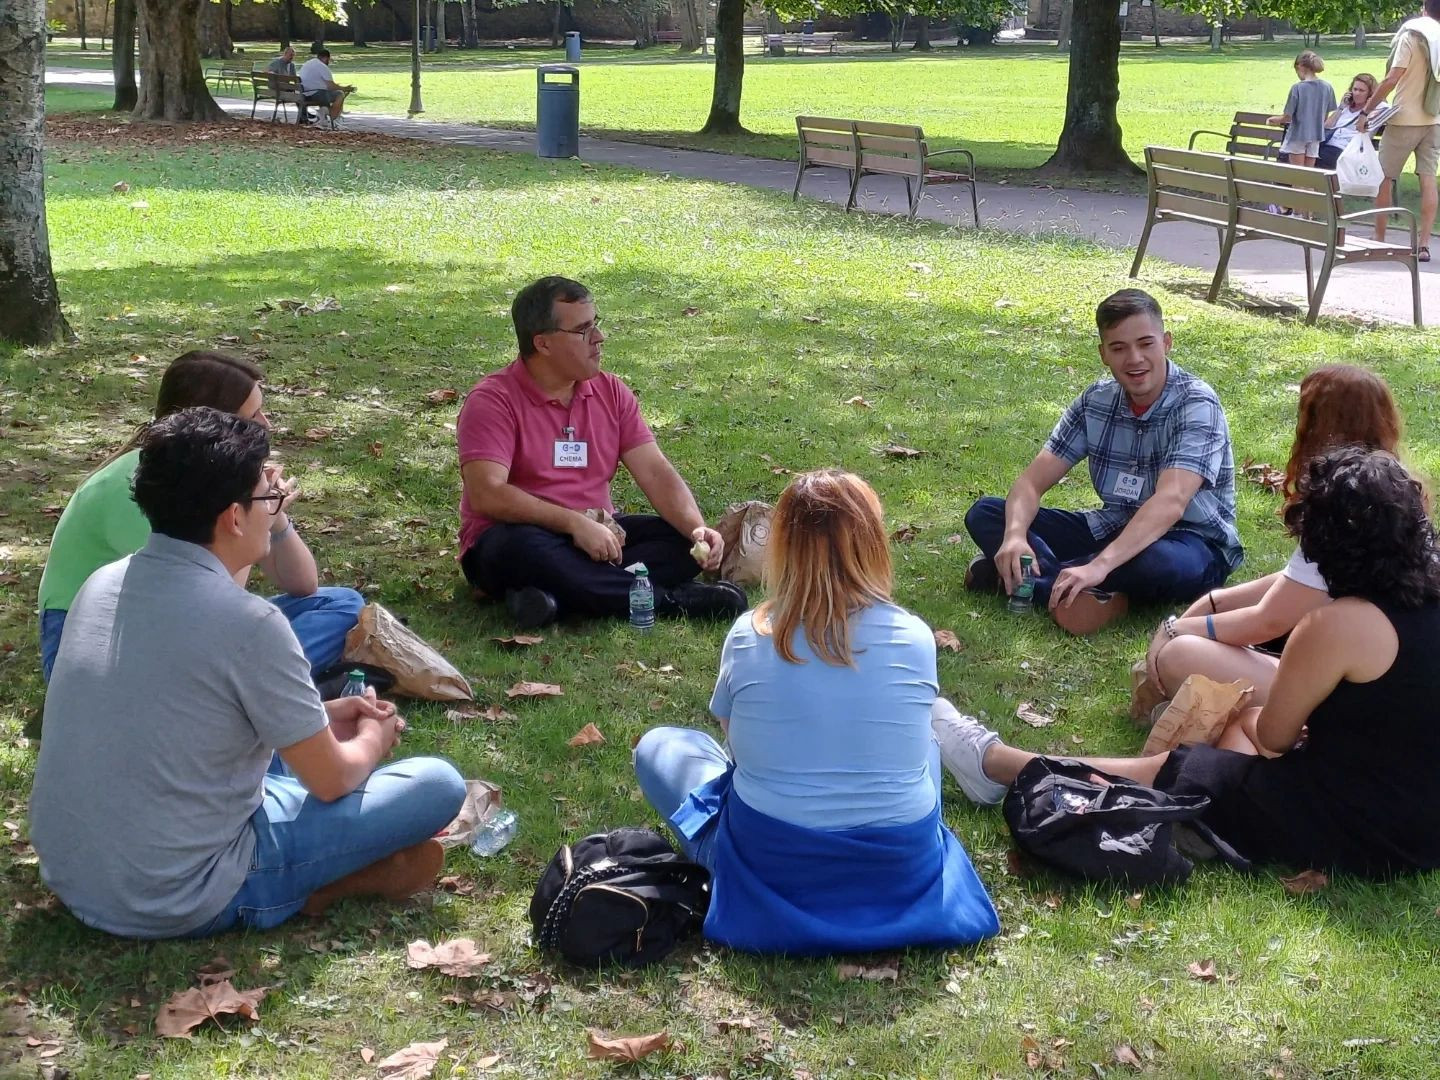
(376, 449)
(689, 312)
(534, 689)
(812, 319)
(217, 970)
(879, 973)
(367, 1055)
(440, 397)
(1032, 716)
(1125, 1054)
(904, 534)
(946, 639)
(588, 735)
(895, 450)
(1307, 881)
(1204, 970)
(1264, 474)
(495, 713)
(859, 402)
(489, 1061)
(121, 186)
(739, 1023)
(458, 957)
(188, 1009)
(319, 434)
(414, 1062)
(630, 1049)
(519, 641)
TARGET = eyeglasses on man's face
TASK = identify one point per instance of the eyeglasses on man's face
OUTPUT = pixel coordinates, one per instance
(588, 331)
(276, 499)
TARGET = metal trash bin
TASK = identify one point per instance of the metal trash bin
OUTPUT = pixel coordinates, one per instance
(557, 111)
(572, 46)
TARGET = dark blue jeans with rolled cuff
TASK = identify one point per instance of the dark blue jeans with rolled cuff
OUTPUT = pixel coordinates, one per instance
(1178, 567)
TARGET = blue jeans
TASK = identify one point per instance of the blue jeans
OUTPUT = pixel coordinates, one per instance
(320, 621)
(302, 843)
(671, 762)
(1179, 566)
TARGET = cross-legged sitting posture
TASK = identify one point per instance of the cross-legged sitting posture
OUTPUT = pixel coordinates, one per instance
(824, 833)
(1337, 769)
(101, 523)
(1160, 460)
(1233, 633)
(540, 441)
(152, 810)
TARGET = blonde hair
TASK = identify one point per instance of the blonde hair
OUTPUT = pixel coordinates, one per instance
(827, 557)
(1310, 61)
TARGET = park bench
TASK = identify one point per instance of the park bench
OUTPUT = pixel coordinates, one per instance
(1251, 134)
(230, 73)
(1243, 199)
(667, 37)
(867, 148)
(284, 91)
(799, 42)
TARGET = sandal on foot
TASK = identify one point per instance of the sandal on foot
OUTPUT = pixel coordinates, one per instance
(1423, 254)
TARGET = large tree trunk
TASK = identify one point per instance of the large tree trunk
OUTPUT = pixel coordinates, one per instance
(1217, 36)
(1360, 35)
(558, 10)
(285, 15)
(212, 34)
(922, 33)
(29, 300)
(692, 32)
(172, 86)
(1067, 17)
(1267, 28)
(724, 118)
(356, 13)
(467, 24)
(122, 56)
(1090, 139)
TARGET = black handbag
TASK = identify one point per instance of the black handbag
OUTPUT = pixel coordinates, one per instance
(1100, 827)
(620, 897)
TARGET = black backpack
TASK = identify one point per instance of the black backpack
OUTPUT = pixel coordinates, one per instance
(621, 897)
(1110, 828)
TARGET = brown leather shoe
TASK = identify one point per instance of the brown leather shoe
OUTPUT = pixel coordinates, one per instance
(395, 877)
(1088, 611)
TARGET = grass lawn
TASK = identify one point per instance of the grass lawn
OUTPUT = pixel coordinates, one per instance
(964, 346)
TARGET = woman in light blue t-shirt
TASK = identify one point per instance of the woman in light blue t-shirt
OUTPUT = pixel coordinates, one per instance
(820, 825)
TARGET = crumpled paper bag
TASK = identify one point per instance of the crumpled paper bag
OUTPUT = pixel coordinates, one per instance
(745, 528)
(604, 517)
(1144, 695)
(482, 799)
(1199, 713)
(381, 639)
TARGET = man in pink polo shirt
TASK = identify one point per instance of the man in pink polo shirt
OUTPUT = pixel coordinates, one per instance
(540, 441)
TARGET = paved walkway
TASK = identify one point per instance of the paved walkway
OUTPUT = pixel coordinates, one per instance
(1262, 268)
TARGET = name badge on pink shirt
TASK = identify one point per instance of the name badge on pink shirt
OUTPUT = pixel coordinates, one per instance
(571, 455)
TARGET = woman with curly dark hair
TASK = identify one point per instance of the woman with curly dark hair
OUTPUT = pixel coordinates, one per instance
(1359, 674)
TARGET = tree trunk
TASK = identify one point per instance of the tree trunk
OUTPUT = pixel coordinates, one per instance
(555, 25)
(772, 26)
(172, 87)
(1217, 33)
(1360, 35)
(213, 38)
(439, 25)
(229, 11)
(29, 300)
(80, 26)
(922, 33)
(1267, 28)
(1155, 21)
(1090, 139)
(724, 116)
(691, 31)
(122, 56)
(1067, 16)
(284, 24)
(355, 12)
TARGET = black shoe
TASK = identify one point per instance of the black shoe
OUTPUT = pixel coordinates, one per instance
(981, 575)
(699, 600)
(531, 608)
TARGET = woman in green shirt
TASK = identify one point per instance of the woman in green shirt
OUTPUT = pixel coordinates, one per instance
(101, 523)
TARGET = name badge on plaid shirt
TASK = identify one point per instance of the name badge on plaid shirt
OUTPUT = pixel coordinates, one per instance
(1129, 487)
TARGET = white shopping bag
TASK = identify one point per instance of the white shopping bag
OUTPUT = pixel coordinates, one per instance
(1358, 168)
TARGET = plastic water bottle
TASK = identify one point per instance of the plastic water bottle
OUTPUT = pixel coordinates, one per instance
(642, 601)
(495, 832)
(354, 684)
(1022, 600)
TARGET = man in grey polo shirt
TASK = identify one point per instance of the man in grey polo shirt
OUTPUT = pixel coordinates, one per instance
(152, 810)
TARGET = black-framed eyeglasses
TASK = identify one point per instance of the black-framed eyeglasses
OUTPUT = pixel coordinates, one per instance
(276, 498)
(587, 331)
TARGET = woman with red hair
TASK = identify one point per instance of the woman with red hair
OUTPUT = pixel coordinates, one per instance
(1218, 635)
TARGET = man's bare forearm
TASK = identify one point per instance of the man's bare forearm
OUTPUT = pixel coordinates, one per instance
(508, 503)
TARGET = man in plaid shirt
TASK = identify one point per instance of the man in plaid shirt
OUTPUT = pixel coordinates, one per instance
(1160, 459)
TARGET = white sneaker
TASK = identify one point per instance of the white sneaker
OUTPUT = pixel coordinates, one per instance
(336, 125)
(963, 741)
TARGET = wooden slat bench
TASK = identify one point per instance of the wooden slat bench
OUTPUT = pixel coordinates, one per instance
(284, 91)
(799, 42)
(230, 73)
(867, 148)
(1184, 187)
(1251, 134)
(667, 37)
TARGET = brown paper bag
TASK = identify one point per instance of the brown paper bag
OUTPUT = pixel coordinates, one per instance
(1201, 710)
(1144, 695)
(381, 639)
(604, 517)
(745, 528)
(482, 799)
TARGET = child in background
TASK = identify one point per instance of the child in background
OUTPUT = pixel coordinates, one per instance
(1311, 100)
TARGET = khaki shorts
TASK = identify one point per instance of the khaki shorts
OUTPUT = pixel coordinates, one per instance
(1402, 140)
